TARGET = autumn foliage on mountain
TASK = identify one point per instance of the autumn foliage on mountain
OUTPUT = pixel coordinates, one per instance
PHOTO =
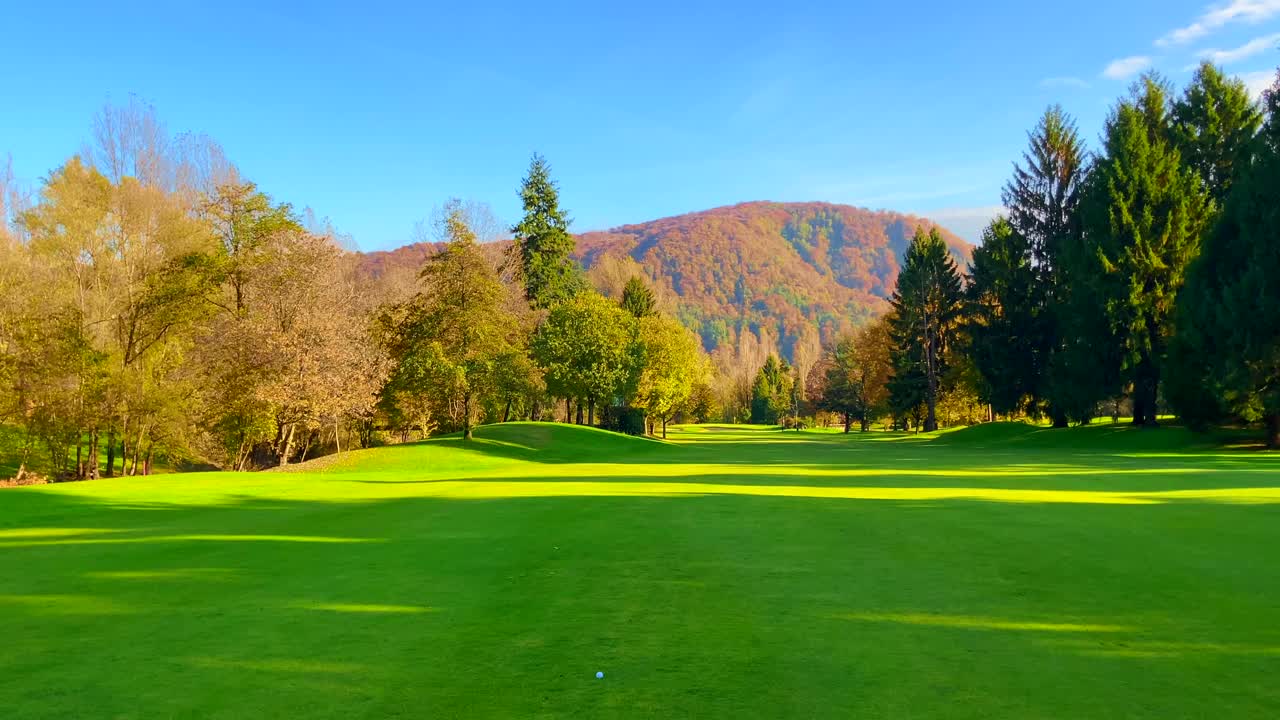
(778, 270)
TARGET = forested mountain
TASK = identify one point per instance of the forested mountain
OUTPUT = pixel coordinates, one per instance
(773, 268)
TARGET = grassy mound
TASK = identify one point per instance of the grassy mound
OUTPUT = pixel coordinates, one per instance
(1099, 437)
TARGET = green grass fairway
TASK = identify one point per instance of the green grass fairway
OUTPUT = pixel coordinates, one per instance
(1002, 571)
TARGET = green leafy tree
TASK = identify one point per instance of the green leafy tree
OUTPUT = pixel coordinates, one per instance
(585, 348)
(927, 307)
(638, 299)
(454, 334)
(855, 378)
(244, 219)
(1043, 198)
(1005, 318)
(542, 237)
(1144, 213)
(671, 365)
(1214, 123)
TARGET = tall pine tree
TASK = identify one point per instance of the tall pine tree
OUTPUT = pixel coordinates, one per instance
(1143, 218)
(926, 311)
(546, 248)
(1043, 198)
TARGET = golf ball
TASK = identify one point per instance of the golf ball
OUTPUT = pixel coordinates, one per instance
(599, 675)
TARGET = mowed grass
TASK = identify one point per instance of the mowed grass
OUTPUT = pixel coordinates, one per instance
(1001, 571)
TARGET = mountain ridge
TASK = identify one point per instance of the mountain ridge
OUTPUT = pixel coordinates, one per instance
(772, 268)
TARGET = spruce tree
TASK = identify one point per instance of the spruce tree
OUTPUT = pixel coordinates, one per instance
(1143, 218)
(546, 248)
(1043, 198)
(1214, 123)
(638, 299)
(926, 311)
(1229, 334)
(1005, 318)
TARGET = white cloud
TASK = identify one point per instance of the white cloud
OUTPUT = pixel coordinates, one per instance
(1125, 68)
(1248, 50)
(1216, 16)
(1258, 81)
(967, 222)
(1074, 82)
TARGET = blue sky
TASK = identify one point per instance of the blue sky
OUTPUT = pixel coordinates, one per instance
(373, 114)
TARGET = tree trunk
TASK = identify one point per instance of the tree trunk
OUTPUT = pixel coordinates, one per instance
(506, 412)
(591, 411)
(664, 427)
(579, 406)
(1273, 430)
(111, 452)
(146, 466)
(866, 424)
(306, 445)
(79, 461)
(242, 454)
(93, 454)
(1145, 392)
(848, 423)
(466, 416)
(288, 446)
(337, 441)
(568, 410)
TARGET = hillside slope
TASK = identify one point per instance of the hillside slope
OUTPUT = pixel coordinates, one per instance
(771, 268)
(778, 266)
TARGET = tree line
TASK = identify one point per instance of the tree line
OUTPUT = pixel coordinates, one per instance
(1141, 278)
(155, 305)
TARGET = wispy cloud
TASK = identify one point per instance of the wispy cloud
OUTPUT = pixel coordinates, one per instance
(1216, 16)
(1125, 68)
(1054, 82)
(1248, 50)
(1258, 81)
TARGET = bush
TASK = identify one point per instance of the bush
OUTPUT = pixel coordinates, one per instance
(622, 419)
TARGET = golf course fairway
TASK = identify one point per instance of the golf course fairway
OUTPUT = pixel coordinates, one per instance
(1003, 571)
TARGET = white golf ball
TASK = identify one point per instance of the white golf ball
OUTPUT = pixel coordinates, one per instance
(599, 675)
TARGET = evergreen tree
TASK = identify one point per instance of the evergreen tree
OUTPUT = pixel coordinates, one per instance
(1228, 350)
(1043, 198)
(771, 392)
(926, 311)
(1005, 318)
(546, 248)
(1143, 216)
(638, 299)
(1214, 123)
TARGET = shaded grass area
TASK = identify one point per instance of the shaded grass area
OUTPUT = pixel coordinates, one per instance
(1105, 576)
